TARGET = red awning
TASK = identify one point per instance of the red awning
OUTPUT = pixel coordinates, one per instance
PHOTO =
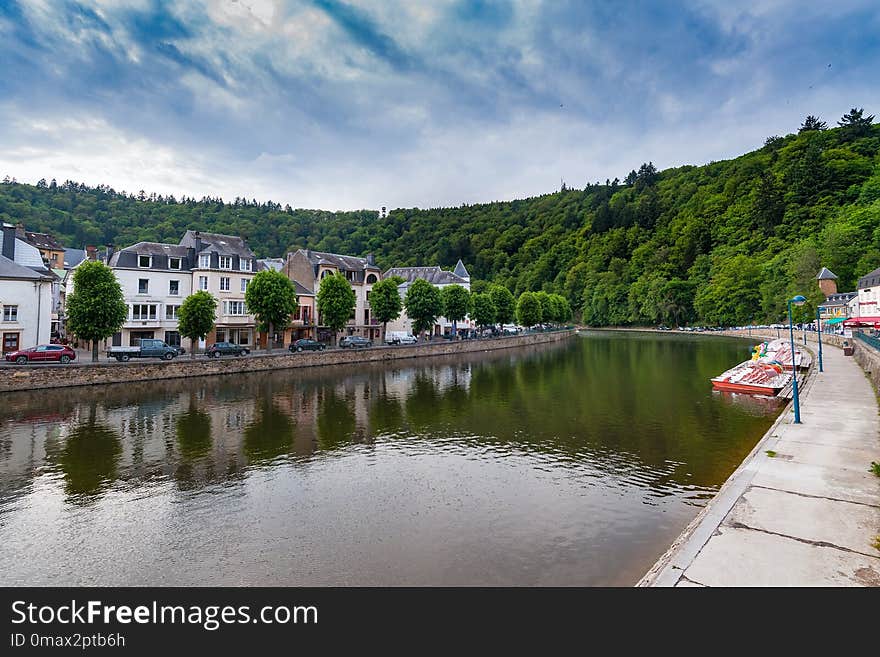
(873, 321)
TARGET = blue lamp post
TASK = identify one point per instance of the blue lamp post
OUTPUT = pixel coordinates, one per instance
(798, 301)
(819, 335)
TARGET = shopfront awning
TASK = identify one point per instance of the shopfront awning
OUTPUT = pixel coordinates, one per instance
(836, 320)
(873, 321)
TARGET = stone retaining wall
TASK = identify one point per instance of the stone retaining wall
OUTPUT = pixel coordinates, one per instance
(32, 377)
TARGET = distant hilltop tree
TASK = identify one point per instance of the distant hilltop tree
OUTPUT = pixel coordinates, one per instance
(855, 125)
(812, 123)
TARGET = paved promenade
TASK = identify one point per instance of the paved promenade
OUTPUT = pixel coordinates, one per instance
(808, 515)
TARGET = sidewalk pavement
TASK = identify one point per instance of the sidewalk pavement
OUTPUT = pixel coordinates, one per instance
(808, 515)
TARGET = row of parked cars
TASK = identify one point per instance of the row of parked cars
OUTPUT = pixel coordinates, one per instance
(151, 348)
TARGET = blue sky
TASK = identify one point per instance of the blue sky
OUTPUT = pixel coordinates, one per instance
(342, 104)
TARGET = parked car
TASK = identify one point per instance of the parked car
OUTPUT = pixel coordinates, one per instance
(355, 342)
(307, 345)
(400, 337)
(42, 353)
(228, 348)
(147, 348)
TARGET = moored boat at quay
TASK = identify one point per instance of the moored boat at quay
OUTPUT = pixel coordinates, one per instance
(753, 377)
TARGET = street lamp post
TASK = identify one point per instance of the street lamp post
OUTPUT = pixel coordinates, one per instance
(798, 301)
(819, 334)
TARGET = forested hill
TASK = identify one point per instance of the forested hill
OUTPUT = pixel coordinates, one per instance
(723, 243)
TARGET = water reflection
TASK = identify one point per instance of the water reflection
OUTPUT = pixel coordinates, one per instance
(88, 457)
(569, 464)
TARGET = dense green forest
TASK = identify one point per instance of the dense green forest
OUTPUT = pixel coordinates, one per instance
(723, 243)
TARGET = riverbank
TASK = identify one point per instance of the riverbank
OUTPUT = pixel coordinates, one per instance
(34, 377)
(803, 509)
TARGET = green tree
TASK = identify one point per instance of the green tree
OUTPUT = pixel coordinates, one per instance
(546, 306)
(483, 309)
(812, 123)
(271, 297)
(423, 304)
(336, 302)
(528, 309)
(456, 301)
(96, 308)
(385, 301)
(196, 318)
(855, 125)
(768, 206)
(504, 302)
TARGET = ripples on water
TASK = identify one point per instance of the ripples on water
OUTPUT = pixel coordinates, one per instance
(559, 465)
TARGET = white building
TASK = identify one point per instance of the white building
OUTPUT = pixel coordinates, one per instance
(438, 278)
(869, 296)
(155, 279)
(224, 265)
(25, 294)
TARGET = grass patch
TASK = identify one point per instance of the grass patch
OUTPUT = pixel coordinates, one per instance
(875, 468)
(877, 542)
(770, 453)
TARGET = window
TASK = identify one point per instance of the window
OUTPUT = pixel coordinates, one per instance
(172, 338)
(144, 261)
(171, 313)
(224, 283)
(143, 311)
(174, 288)
(225, 262)
(203, 282)
(205, 261)
(325, 273)
(351, 276)
(143, 285)
(236, 308)
(244, 283)
(244, 264)
(297, 313)
(371, 279)
(10, 313)
(173, 263)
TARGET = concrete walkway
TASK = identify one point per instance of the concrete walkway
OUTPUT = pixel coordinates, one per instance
(808, 516)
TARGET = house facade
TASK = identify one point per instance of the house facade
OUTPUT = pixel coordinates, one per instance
(438, 278)
(224, 265)
(25, 294)
(155, 279)
(308, 268)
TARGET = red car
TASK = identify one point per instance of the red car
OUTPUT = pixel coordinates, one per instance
(44, 353)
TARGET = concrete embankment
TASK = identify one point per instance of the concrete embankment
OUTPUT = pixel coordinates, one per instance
(803, 509)
(33, 377)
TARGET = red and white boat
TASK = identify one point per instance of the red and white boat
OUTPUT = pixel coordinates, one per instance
(779, 351)
(754, 378)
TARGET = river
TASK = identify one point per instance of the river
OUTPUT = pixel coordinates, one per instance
(569, 464)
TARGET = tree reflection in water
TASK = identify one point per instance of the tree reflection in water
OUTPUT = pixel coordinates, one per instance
(89, 459)
(270, 435)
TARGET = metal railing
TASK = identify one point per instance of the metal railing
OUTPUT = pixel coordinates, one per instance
(869, 340)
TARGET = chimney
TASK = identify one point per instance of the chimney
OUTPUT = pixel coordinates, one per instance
(91, 253)
(198, 236)
(19, 231)
(9, 241)
(371, 260)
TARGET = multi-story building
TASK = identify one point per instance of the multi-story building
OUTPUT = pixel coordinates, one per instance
(308, 268)
(224, 265)
(836, 307)
(438, 278)
(302, 323)
(25, 293)
(50, 250)
(155, 279)
(869, 299)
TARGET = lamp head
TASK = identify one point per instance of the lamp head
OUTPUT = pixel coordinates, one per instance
(799, 300)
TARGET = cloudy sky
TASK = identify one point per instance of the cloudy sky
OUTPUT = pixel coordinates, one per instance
(343, 104)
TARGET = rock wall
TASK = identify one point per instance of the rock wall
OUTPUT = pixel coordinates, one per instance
(32, 377)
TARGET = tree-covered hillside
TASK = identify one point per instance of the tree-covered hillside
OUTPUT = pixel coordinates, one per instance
(723, 243)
